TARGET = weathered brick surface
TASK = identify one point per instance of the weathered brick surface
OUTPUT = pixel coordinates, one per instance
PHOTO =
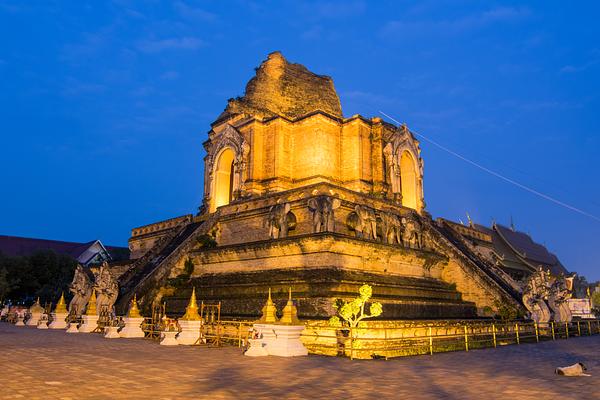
(283, 88)
(54, 365)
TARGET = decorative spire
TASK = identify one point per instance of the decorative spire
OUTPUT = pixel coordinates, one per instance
(91, 306)
(36, 307)
(191, 311)
(134, 311)
(61, 307)
(269, 311)
(290, 312)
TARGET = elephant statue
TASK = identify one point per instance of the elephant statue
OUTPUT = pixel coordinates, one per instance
(411, 235)
(278, 220)
(366, 226)
(391, 228)
(322, 209)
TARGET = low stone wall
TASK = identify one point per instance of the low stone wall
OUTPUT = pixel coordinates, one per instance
(385, 339)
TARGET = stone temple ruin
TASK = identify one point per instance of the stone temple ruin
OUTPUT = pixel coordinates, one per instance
(297, 195)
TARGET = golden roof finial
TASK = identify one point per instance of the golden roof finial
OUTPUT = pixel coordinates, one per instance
(36, 307)
(61, 307)
(269, 311)
(290, 312)
(91, 306)
(191, 311)
(134, 311)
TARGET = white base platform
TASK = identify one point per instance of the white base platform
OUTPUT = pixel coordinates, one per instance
(112, 332)
(72, 328)
(42, 324)
(190, 332)
(132, 328)
(33, 320)
(168, 338)
(58, 321)
(19, 322)
(277, 340)
(90, 322)
(258, 348)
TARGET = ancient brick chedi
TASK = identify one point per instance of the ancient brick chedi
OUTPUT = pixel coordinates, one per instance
(295, 194)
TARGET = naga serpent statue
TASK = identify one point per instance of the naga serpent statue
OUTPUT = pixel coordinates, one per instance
(560, 291)
(535, 295)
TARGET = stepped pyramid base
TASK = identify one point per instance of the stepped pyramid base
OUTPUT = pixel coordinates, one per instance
(242, 294)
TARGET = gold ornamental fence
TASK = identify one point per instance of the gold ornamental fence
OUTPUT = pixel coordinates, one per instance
(227, 332)
(388, 339)
(379, 341)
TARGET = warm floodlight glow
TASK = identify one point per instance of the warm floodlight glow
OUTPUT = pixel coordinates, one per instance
(223, 179)
(408, 177)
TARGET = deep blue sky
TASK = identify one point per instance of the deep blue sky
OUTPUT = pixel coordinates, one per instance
(104, 106)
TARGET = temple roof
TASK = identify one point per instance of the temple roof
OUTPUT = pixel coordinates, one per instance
(281, 88)
(534, 253)
(21, 246)
(515, 250)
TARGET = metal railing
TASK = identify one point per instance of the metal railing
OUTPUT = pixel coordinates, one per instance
(388, 342)
(213, 334)
(226, 333)
(152, 328)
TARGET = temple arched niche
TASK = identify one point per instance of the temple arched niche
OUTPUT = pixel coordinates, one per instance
(409, 181)
(223, 179)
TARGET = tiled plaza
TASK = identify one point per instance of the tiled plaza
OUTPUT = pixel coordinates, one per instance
(37, 364)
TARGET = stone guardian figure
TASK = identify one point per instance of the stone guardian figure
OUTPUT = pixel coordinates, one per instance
(107, 288)
(81, 287)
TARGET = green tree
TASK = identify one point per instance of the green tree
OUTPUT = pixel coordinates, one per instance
(596, 299)
(4, 284)
(44, 274)
(506, 312)
(580, 285)
(188, 267)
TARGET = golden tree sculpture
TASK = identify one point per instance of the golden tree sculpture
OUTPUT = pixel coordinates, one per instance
(353, 312)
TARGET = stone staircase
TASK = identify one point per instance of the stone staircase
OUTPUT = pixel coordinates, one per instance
(150, 255)
(480, 268)
(150, 272)
(504, 277)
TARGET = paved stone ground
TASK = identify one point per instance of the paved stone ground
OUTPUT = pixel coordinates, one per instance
(37, 364)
